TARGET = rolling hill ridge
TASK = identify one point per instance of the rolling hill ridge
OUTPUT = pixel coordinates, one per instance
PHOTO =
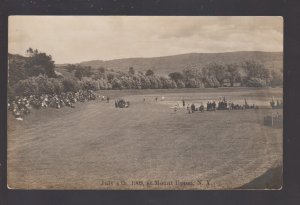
(167, 64)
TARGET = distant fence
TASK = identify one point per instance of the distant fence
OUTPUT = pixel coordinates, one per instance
(274, 121)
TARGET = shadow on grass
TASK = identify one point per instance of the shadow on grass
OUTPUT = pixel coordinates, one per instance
(271, 179)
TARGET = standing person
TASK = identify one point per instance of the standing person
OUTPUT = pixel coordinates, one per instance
(201, 107)
(246, 104)
(277, 104)
(183, 103)
(107, 99)
(193, 108)
(175, 108)
(144, 99)
(156, 99)
(188, 108)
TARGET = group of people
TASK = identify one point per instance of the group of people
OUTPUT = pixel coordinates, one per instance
(222, 105)
(277, 105)
(20, 106)
(193, 108)
(121, 103)
(103, 98)
(156, 99)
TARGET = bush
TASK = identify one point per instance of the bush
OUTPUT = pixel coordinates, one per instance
(116, 84)
(180, 84)
(211, 82)
(27, 87)
(58, 87)
(39, 63)
(90, 85)
(70, 85)
(277, 79)
(256, 82)
(10, 92)
(48, 85)
(38, 85)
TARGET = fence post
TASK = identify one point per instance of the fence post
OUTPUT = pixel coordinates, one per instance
(272, 121)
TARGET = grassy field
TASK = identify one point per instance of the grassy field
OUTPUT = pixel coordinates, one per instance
(146, 146)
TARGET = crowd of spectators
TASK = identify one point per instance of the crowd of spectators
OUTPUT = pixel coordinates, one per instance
(21, 105)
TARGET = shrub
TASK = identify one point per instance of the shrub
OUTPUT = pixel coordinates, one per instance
(90, 85)
(27, 87)
(180, 84)
(256, 82)
(70, 85)
(58, 87)
(116, 84)
(38, 85)
(10, 92)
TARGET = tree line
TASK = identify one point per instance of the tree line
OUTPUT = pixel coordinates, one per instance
(36, 74)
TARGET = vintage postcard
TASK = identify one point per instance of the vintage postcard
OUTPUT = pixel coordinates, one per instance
(145, 102)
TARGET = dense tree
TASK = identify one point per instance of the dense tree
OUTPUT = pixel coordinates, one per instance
(233, 73)
(215, 72)
(101, 70)
(81, 72)
(26, 87)
(154, 82)
(35, 75)
(176, 76)
(221, 73)
(110, 77)
(39, 85)
(131, 71)
(90, 85)
(255, 82)
(276, 78)
(255, 70)
(116, 84)
(39, 63)
(209, 77)
(145, 82)
(149, 72)
(70, 85)
(78, 73)
(16, 69)
(192, 78)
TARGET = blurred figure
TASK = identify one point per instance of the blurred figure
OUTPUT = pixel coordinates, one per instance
(188, 109)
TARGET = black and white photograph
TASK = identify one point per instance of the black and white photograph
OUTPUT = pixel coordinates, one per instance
(145, 102)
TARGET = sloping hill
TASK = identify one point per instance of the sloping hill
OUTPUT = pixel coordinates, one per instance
(167, 64)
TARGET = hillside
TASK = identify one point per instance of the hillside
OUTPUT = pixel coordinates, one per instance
(168, 64)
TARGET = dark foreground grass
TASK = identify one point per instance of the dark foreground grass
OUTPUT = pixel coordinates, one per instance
(271, 179)
(97, 146)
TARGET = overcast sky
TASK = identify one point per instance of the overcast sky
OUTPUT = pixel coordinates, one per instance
(76, 39)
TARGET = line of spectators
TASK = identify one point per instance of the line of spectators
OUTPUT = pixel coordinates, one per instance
(222, 105)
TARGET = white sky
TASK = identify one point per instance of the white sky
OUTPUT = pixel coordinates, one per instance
(73, 39)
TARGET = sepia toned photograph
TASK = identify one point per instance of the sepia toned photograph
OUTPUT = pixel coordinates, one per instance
(145, 102)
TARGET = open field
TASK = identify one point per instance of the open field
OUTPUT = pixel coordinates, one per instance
(95, 142)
